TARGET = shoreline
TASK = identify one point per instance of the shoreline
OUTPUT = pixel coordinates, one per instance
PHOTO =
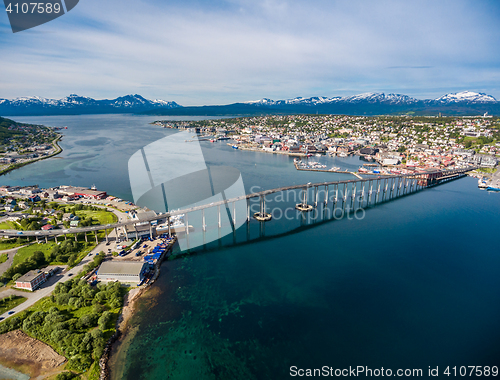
(122, 327)
(18, 166)
(128, 311)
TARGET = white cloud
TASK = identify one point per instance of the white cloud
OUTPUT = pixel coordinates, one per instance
(238, 50)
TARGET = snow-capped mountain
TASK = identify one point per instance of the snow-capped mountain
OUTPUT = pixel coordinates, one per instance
(373, 97)
(75, 104)
(371, 103)
(370, 97)
(466, 96)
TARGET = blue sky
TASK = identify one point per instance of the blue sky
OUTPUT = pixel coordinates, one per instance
(213, 52)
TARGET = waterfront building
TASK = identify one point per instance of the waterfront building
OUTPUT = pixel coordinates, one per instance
(122, 271)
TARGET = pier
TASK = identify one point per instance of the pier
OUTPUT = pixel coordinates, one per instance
(328, 171)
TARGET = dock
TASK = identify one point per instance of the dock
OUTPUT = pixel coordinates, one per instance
(328, 171)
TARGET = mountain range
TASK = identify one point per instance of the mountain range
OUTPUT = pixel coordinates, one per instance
(77, 105)
(461, 103)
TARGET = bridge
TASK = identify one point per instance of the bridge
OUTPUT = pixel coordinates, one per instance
(351, 194)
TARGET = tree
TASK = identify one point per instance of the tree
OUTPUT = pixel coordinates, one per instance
(104, 319)
(16, 276)
(65, 376)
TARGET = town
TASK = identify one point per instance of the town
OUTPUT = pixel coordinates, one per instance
(21, 144)
(38, 273)
(396, 142)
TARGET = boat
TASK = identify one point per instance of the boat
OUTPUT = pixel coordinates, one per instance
(491, 188)
(93, 187)
(318, 155)
(235, 146)
(362, 170)
(482, 184)
(342, 154)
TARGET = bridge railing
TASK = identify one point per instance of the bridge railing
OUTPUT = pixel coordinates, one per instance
(390, 186)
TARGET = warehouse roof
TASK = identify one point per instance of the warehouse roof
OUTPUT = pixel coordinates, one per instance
(121, 267)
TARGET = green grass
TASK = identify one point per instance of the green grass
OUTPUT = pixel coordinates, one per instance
(3, 258)
(103, 217)
(9, 244)
(8, 303)
(26, 252)
(94, 371)
(6, 226)
(487, 170)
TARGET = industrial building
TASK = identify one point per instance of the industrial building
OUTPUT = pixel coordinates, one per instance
(122, 271)
(34, 278)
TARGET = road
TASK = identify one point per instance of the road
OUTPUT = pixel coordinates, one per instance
(11, 253)
(443, 173)
(47, 287)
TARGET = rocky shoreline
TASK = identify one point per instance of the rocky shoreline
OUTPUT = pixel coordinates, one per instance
(127, 312)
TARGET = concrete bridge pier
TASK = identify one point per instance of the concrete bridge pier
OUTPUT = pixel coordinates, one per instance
(106, 234)
(262, 215)
(75, 236)
(218, 213)
(85, 234)
(96, 239)
(248, 210)
(234, 214)
(65, 237)
(46, 239)
(370, 193)
(187, 227)
(353, 196)
(36, 238)
(169, 229)
(326, 191)
(316, 196)
(304, 206)
(55, 237)
(203, 224)
(336, 197)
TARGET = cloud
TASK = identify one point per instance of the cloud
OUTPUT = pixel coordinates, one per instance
(226, 51)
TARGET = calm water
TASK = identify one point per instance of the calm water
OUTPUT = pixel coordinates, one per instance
(413, 284)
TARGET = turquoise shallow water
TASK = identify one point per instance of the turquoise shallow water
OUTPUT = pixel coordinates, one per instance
(413, 284)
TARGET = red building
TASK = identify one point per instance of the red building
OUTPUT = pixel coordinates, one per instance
(34, 278)
(31, 280)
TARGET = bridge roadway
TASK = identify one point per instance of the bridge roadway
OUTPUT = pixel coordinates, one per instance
(445, 174)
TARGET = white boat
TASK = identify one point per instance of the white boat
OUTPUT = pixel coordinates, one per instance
(482, 184)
